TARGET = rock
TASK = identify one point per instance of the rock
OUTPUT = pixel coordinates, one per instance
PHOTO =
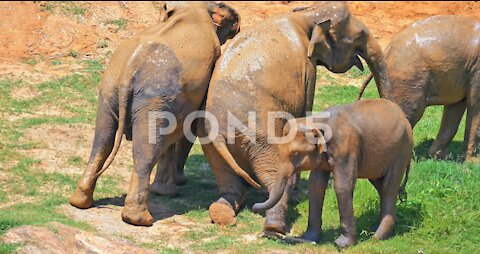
(58, 238)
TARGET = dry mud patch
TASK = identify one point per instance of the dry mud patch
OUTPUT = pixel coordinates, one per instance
(169, 230)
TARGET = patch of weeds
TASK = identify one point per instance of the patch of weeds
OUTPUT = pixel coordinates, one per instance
(36, 213)
(102, 44)
(73, 53)
(71, 8)
(30, 61)
(75, 160)
(48, 6)
(171, 251)
(119, 24)
(94, 65)
(56, 62)
(3, 196)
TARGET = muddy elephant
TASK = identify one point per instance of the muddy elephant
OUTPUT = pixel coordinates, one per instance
(166, 70)
(436, 62)
(270, 68)
(368, 139)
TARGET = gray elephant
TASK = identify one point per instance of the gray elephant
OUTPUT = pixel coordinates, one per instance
(269, 68)
(165, 68)
(351, 143)
(436, 62)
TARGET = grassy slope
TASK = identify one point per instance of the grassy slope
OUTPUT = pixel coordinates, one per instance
(442, 214)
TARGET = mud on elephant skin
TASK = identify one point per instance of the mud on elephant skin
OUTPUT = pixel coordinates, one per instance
(269, 68)
(351, 143)
(165, 68)
(436, 61)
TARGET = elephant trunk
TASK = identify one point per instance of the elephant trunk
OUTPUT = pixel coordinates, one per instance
(275, 193)
(373, 55)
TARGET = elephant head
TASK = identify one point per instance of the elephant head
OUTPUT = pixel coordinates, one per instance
(338, 39)
(224, 17)
(307, 150)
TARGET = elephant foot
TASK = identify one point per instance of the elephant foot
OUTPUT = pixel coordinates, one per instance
(222, 213)
(385, 229)
(275, 220)
(181, 180)
(82, 199)
(343, 241)
(164, 189)
(472, 159)
(136, 217)
(275, 225)
(439, 154)
(381, 235)
(312, 235)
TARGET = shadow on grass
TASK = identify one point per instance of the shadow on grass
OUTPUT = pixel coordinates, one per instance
(455, 151)
(197, 195)
(409, 217)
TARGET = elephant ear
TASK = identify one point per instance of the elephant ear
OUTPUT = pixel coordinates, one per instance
(321, 143)
(320, 45)
(166, 11)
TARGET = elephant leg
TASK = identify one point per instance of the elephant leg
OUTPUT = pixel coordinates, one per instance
(105, 127)
(275, 218)
(416, 115)
(164, 183)
(344, 183)
(181, 154)
(224, 210)
(472, 129)
(452, 115)
(377, 183)
(145, 156)
(388, 197)
(317, 185)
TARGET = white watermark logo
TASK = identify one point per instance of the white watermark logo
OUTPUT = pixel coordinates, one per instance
(164, 123)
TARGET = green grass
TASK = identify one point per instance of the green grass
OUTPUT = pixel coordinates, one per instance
(442, 214)
(119, 24)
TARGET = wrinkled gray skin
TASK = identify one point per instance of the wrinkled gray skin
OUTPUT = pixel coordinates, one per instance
(272, 67)
(436, 62)
(167, 67)
(368, 139)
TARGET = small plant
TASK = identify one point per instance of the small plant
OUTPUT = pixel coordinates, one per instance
(73, 53)
(75, 160)
(73, 9)
(119, 24)
(102, 44)
(47, 6)
(56, 62)
(30, 61)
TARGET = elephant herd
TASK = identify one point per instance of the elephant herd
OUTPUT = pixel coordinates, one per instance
(176, 68)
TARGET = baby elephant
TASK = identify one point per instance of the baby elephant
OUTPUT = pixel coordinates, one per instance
(369, 139)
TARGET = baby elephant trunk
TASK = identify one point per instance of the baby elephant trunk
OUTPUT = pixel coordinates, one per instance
(274, 197)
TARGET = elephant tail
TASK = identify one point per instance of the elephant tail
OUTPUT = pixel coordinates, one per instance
(122, 108)
(402, 194)
(364, 86)
(221, 147)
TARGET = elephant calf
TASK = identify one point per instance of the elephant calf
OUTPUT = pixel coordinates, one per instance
(369, 139)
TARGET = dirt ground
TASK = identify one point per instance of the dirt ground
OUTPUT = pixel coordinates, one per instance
(43, 40)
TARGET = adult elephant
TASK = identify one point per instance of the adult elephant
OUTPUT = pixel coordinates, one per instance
(436, 62)
(270, 68)
(166, 69)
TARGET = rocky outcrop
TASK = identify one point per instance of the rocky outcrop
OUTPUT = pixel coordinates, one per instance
(57, 238)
